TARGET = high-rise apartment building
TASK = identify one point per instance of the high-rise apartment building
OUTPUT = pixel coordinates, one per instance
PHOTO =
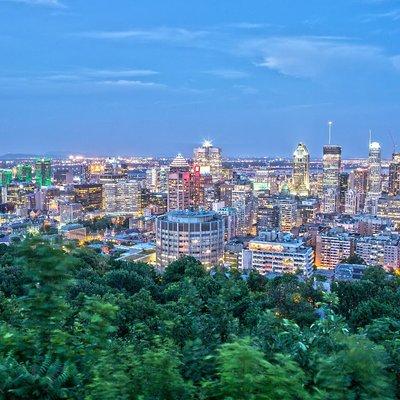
(277, 253)
(122, 198)
(209, 159)
(243, 202)
(332, 247)
(380, 249)
(287, 213)
(301, 171)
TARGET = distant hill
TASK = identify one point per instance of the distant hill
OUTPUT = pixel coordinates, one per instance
(23, 156)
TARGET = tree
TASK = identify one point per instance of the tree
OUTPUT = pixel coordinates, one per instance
(243, 373)
(358, 371)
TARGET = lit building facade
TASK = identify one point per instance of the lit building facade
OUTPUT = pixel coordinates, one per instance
(394, 175)
(196, 234)
(275, 252)
(332, 247)
(179, 184)
(332, 161)
(43, 172)
(89, 195)
(301, 171)
(209, 159)
(381, 249)
(389, 207)
(122, 198)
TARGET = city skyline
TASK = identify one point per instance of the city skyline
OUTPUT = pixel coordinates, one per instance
(257, 80)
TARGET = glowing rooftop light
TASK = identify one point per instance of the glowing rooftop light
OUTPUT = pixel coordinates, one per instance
(207, 143)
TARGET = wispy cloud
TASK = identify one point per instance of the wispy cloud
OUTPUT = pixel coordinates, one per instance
(309, 57)
(163, 34)
(248, 25)
(393, 15)
(228, 73)
(45, 3)
(132, 84)
(87, 77)
(100, 73)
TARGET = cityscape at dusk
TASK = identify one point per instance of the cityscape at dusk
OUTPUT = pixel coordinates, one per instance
(199, 200)
(256, 79)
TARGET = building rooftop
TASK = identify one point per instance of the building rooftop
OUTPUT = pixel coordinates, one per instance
(188, 216)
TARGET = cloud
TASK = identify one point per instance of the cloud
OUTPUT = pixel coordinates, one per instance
(94, 74)
(393, 15)
(132, 84)
(162, 34)
(45, 3)
(396, 62)
(86, 78)
(309, 57)
(248, 25)
(228, 73)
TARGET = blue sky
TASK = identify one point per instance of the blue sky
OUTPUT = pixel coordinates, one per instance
(155, 77)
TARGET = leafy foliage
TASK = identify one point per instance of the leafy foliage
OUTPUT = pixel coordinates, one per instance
(78, 325)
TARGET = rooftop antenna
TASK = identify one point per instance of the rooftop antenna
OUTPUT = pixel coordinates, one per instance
(330, 123)
(370, 137)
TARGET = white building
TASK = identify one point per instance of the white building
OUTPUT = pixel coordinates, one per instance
(122, 197)
(279, 253)
(197, 234)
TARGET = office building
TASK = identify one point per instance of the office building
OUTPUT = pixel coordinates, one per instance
(332, 161)
(209, 159)
(89, 195)
(394, 175)
(198, 234)
(301, 171)
(43, 172)
(179, 184)
(24, 173)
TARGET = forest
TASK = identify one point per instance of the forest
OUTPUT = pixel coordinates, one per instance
(78, 325)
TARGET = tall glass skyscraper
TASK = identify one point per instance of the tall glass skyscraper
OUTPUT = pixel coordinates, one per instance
(43, 172)
(332, 162)
(301, 171)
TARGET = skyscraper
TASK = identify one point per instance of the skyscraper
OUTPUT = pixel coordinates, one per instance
(332, 160)
(179, 184)
(374, 169)
(301, 171)
(394, 175)
(209, 159)
(374, 189)
(122, 197)
(43, 172)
